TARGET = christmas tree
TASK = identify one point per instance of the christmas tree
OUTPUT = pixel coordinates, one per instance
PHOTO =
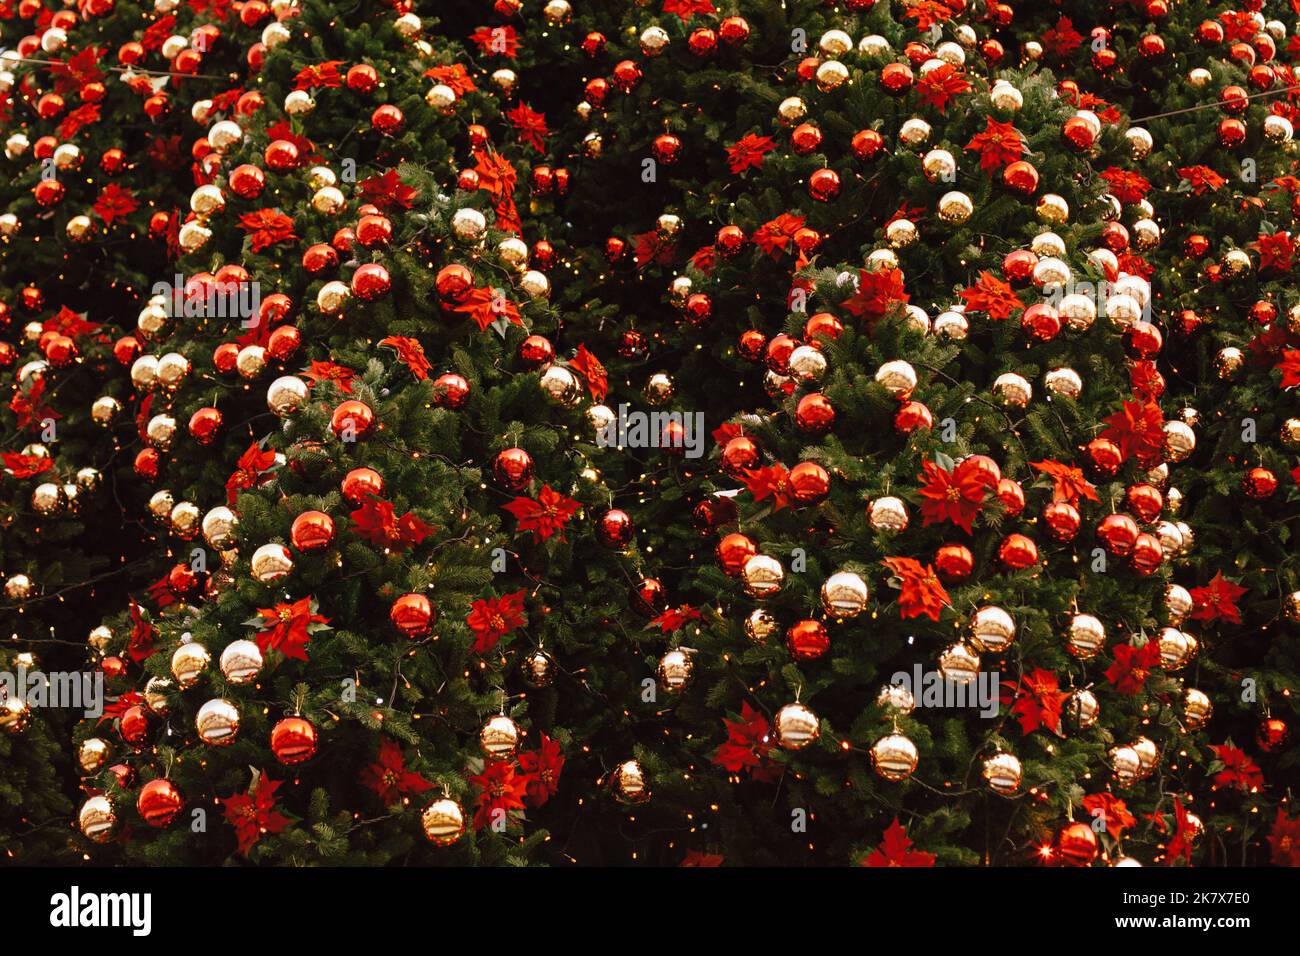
(669, 432)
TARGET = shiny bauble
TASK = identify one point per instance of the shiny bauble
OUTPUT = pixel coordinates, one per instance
(159, 803)
(959, 663)
(189, 663)
(241, 662)
(1272, 735)
(93, 754)
(896, 699)
(293, 740)
(1076, 845)
(844, 594)
(1177, 648)
(1085, 636)
(217, 722)
(992, 630)
(286, 395)
(499, 738)
(413, 614)
(513, 469)
(1197, 709)
(312, 532)
(898, 378)
(1081, 710)
(538, 668)
(796, 726)
(220, 526)
(762, 575)
(615, 529)
(97, 819)
(674, 671)
(1002, 772)
(887, 515)
(629, 783)
(894, 757)
(760, 626)
(270, 563)
(443, 822)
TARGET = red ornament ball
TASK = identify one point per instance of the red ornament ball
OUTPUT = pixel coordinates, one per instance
(159, 803)
(293, 740)
(312, 531)
(513, 469)
(413, 615)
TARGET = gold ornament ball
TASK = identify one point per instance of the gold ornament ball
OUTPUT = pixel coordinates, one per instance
(217, 722)
(1197, 708)
(901, 233)
(328, 200)
(443, 822)
(560, 385)
(1178, 602)
(630, 784)
(97, 819)
(658, 388)
(104, 410)
(1012, 390)
(188, 664)
(100, 637)
(1180, 441)
(887, 515)
(1085, 637)
(47, 499)
(791, 110)
(270, 563)
(959, 663)
(1290, 433)
(1063, 383)
(157, 696)
(1053, 209)
(537, 668)
(844, 594)
(19, 587)
(674, 671)
(1082, 709)
(796, 726)
(251, 360)
(763, 576)
(442, 98)
(894, 757)
(92, 754)
(1148, 754)
(1228, 362)
(760, 625)
(992, 630)
(241, 661)
(1002, 772)
(831, 75)
(499, 738)
(939, 164)
(898, 378)
(15, 716)
(955, 207)
(1126, 765)
(1140, 142)
(185, 519)
(915, 133)
(896, 699)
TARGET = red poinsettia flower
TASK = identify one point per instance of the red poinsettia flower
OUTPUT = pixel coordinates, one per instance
(1132, 666)
(376, 522)
(1111, 810)
(748, 744)
(1239, 771)
(142, 635)
(1276, 252)
(1069, 484)
(266, 227)
(593, 373)
(26, 466)
(940, 85)
(1138, 429)
(748, 152)
(250, 471)
(955, 496)
(1217, 600)
(411, 354)
(488, 305)
(496, 41)
(530, 126)
(325, 371)
(114, 203)
(896, 850)
(253, 814)
(1201, 178)
(320, 76)
(774, 236)
(675, 618)
(1038, 700)
(501, 791)
(697, 858)
(288, 628)
(541, 769)
(769, 481)
(1180, 845)
(1127, 186)
(999, 145)
(1290, 366)
(876, 292)
(1284, 839)
(388, 192)
(388, 776)
(545, 515)
(454, 76)
(992, 295)
(920, 593)
(1062, 40)
(493, 618)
